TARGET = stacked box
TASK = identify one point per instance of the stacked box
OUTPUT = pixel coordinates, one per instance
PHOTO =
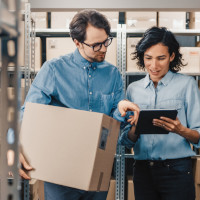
(172, 20)
(111, 191)
(40, 19)
(141, 20)
(113, 18)
(191, 56)
(61, 20)
(56, 47)
(131, 195)
(36, 189)
(194, 20)
(131, 45)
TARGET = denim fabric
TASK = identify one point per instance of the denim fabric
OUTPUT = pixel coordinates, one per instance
(174, 91)
(168, 180)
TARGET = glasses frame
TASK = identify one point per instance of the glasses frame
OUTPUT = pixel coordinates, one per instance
(100, 43)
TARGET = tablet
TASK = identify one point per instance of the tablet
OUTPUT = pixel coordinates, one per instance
(145, 121)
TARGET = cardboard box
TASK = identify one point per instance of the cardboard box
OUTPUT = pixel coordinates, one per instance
(172, 20)
(57, 47)
(69, 147)
(141, 20)
(36, 189)
(131, 195)
(191, 56)
(111, 191)
(196, 174)
(113, 18)
(194, 20)
(40, 19)
(61, 20)
(111, 55)
(131, 45)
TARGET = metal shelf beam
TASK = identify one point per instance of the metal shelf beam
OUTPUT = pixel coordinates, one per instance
(125, 5)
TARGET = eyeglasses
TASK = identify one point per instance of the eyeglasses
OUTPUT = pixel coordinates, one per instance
(97, 47)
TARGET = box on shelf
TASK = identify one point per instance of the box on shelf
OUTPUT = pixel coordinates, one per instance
(194, 20)
(61, 20)
(62, 146)
(131, 195)
(36, 189)
(172, 20)
(58, 47)
(61, 46)
(131, 45)
(111, 55)
(141, 20)
(191, 56)
(40, 19)
(113, 18)
(111, 191)
(196, 173)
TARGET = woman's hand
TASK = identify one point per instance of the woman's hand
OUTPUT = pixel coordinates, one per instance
(168, 124)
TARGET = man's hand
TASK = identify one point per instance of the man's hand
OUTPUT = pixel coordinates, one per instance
(26, 166)
(125, 106)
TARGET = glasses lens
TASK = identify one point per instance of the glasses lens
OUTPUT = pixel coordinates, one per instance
(97, 47)
(108, 42)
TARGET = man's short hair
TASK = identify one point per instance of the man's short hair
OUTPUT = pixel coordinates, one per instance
(81, 20)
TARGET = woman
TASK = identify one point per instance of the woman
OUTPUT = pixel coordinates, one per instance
(163, 167)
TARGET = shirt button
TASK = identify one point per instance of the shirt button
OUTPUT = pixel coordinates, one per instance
(90, 110)
(90, 76)
(151, 164)
(94, 67)
(90, 92)
(84, 67)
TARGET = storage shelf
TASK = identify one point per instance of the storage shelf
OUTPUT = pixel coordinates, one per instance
(186, 32)
(60, 32)
(22, 70)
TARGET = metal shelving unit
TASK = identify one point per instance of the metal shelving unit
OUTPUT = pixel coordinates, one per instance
(9, 125)
(121, 34)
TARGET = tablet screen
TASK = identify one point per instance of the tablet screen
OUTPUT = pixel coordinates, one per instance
(145, 121)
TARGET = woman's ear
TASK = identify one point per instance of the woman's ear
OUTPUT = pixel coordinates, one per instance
(172, 57)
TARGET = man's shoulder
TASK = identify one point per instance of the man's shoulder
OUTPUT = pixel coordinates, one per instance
(61, 59)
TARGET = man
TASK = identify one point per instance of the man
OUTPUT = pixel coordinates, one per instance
(80, 80)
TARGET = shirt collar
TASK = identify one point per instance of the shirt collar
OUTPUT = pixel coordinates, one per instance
(165, 80)
(81, 61)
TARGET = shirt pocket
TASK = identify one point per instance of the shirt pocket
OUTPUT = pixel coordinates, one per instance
(107, 101)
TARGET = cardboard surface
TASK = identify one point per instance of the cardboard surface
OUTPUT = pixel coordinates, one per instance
(194, 20)
(69, 147)
(36, 189)
(140, 20)
(131, 45)
(131, 195)
(191, 56)
(111, 191)
(56, 47)
(172, 20)
(61, 46)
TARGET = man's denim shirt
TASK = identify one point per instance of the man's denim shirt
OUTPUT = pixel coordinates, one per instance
(72, 81)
